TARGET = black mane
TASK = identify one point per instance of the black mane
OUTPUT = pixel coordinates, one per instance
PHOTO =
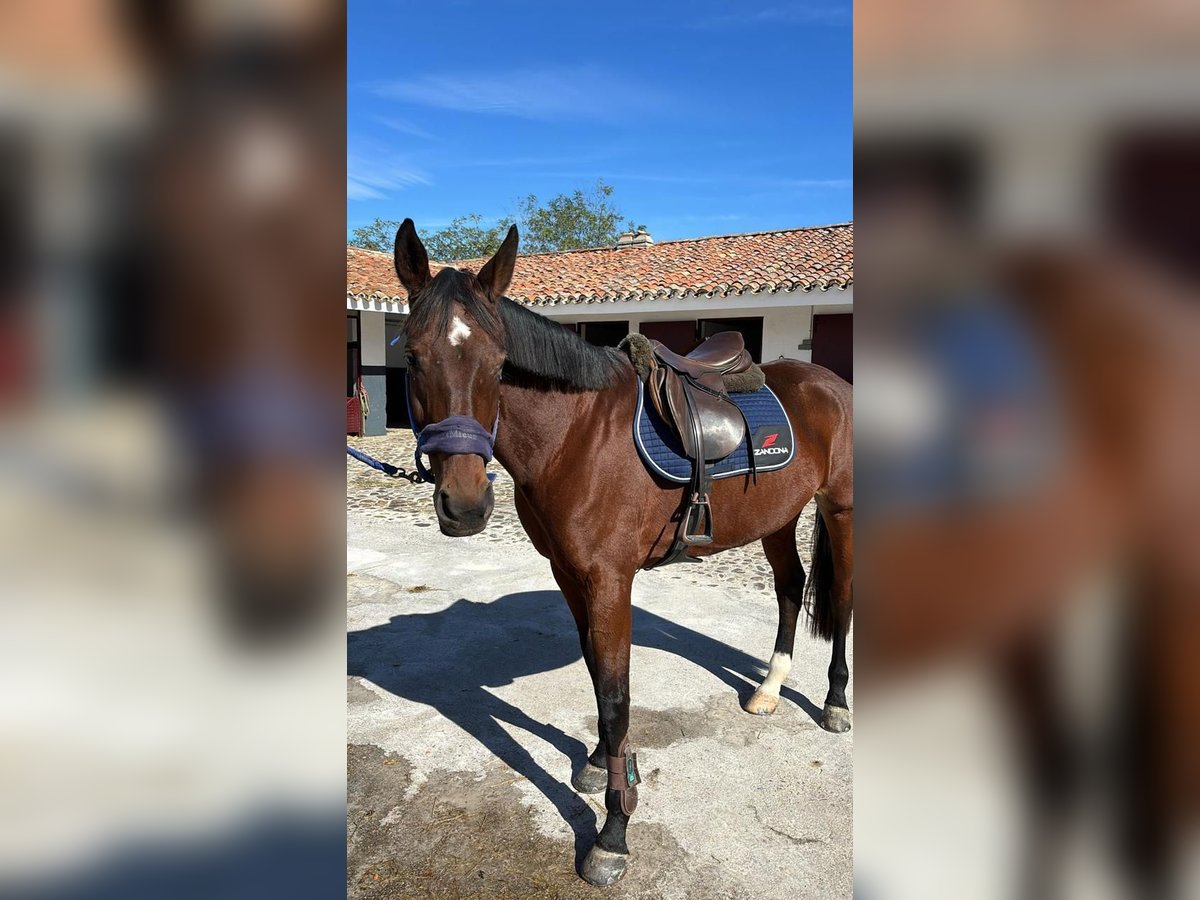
(540, 353)
(542, 350)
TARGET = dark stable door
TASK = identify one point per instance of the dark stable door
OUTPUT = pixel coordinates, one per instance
(353, 368)
(833, 343)
(751, 330)
(679, 336)
(605, 334)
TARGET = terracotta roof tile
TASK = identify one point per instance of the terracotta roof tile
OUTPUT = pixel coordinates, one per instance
(801, 259)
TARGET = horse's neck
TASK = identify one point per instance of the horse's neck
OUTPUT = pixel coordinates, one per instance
(534, 425)
(1123, 344)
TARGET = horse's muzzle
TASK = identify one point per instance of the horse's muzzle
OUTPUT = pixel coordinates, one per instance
(460, 518)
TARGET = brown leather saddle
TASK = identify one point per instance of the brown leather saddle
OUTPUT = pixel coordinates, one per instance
(689, 394)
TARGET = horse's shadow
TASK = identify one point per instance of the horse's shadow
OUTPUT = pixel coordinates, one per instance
(448, 659)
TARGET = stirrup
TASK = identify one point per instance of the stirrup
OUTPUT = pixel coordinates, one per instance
(691, 532)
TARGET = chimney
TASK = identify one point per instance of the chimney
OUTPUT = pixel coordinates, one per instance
(639, 238)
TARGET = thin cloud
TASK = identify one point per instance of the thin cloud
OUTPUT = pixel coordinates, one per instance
(701, 179)
(375, 180)
(403, 126)
(511, 162)
(694, 219)
(836, 183)
(790, 14)
(653, 177)
(356, 190)
(545, 94)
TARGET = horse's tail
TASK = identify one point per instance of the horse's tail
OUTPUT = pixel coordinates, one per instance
(818, 590)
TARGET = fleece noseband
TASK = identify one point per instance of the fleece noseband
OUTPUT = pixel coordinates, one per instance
(455, 434)
(452, 435)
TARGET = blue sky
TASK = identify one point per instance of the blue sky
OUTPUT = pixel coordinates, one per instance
(706, 117)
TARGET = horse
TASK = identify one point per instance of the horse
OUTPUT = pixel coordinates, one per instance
(234, 293)
(558, 413)
(1121, 498)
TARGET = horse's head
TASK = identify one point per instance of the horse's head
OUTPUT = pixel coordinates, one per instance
(455, 352)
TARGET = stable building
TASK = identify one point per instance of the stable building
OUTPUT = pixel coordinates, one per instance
(790, 294)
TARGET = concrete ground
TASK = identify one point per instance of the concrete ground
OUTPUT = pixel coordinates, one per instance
(469, 707)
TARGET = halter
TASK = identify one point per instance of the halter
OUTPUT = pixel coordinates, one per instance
(453, 435)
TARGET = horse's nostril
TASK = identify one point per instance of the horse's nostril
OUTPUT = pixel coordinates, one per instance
(451, 509)
(462, 516)
(444, 506)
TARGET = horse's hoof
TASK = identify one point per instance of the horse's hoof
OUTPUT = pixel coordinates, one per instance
(761, 704)
(835, 719)
(590, 779)
(602, 867)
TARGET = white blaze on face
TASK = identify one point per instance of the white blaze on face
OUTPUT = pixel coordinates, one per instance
(781, 665)
(459, 332)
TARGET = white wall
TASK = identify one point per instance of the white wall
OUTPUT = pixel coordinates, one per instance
(785, 324)
(787, 320)
(372, 342)
(372, 350)
(704, 307)
(783, 330)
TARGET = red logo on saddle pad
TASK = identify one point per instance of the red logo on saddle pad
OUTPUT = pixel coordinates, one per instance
(769, 445)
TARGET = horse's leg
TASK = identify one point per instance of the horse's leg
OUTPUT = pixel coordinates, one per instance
(780, 548)
(610, 624)
(833, 603)
(593, 777)
(1047, 760)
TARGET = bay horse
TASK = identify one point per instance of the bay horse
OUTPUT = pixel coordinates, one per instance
(560, 412)
(996, 579)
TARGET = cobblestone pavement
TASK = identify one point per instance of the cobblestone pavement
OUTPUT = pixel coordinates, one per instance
(469, 706)
(384, 499)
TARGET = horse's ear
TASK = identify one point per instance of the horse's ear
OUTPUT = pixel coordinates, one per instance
(496, 275)
(412, 262)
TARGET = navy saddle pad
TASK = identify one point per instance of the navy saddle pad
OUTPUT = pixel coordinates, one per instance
(770, 435)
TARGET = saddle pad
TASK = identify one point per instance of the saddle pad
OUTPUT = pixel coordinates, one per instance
(771, 433)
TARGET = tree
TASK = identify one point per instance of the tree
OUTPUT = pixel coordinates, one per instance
(464, 238)
(565, 222)
(569, 221)
(379, 235)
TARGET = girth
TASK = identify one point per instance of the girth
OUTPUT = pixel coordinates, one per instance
(689, 394)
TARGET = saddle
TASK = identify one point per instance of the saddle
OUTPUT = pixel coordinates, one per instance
(689, 394)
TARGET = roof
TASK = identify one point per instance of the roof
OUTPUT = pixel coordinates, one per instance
(993, 39)
(82, 58)
(798, 259)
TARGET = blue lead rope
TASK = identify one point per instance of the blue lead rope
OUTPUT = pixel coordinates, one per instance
(456, 434)
(397, 472)
(386, 468)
